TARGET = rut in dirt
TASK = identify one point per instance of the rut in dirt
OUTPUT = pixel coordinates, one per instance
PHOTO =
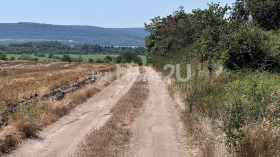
(158, 131)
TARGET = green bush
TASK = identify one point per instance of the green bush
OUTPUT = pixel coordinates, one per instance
(248, 99)
(3, 56)
(24, 57)
(129, 57)
(248, 48)
(90, 60)
(66, 58)
(12, 58)
(108, 59)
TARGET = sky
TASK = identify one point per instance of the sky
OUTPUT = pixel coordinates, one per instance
(102, 13)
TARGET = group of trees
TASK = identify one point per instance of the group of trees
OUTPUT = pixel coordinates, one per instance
(245, 39)
(126, 57)
(242, 40)
(59, 48)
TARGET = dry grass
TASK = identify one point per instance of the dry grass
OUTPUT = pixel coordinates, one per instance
(203, 139)
(261, 140)
(27, 118)
(113, 138)
(203, 136)
(16, 87)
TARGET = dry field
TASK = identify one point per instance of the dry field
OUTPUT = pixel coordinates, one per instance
(33, 95)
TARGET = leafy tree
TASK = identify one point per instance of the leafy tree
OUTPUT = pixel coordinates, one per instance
(129, 57)
(213, 24)
(66, 58)
(266, 13)
(170, 34)
(3, 56)
(247, 48)
(108, 59)
(240, 12)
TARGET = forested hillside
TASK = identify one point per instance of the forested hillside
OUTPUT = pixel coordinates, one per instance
(23, 32)
(234, 52)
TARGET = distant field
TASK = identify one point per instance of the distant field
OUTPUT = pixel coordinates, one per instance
(85, 57)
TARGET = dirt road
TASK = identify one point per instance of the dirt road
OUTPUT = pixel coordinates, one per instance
(158, 130)
(62, 137)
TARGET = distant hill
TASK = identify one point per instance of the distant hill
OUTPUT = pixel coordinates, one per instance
(71, 34)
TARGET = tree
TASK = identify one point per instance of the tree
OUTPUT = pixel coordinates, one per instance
(108, 59)
(265, 13)
(240, 12)
(248, 48)
(66, 58)
(129, 57)
(3, 56)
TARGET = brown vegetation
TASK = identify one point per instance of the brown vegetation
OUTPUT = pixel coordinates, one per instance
(28, 95)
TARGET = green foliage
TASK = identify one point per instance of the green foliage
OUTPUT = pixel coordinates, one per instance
(66, 58)
(34, 59)
(90, 60)
(129, 57)
(51, 55)
(80, 59)
(175, 32)
(245, 93)
(12, 58)
(255, 92)
(265, 13)
(3, 56)
(24, 57)
(98, 60)
(248, 48)
(248, 98)
(108, 59)
(240, 12)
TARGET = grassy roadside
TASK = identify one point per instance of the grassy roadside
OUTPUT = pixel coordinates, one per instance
(114, 136)
(232, 113)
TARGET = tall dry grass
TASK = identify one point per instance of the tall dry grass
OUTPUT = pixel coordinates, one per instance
(27, 118)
